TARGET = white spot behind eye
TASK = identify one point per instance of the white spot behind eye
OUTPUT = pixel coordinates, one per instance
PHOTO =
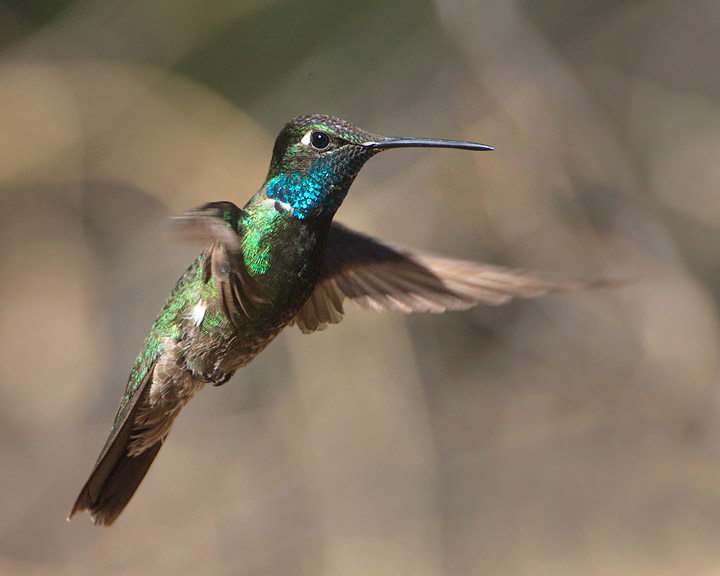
(306, 139)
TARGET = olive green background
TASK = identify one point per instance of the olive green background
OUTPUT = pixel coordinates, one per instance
(571, 435)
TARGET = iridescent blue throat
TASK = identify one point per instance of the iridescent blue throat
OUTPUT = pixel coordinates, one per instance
(322, 188)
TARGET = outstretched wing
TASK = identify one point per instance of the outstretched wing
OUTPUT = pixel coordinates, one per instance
(382, 276)
(220, 223)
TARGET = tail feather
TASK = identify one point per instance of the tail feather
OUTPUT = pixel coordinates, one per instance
(117, 475)
(105, 498)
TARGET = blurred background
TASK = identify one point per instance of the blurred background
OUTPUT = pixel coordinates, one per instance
(575, 434)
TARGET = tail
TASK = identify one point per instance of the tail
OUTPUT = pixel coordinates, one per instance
(106, 494)
(116, 474)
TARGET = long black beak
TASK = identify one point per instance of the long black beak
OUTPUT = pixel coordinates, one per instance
(425, 143)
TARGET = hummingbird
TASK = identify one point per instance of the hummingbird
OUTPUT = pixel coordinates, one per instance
(279, 261)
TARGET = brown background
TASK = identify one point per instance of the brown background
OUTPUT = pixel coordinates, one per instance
(570, 435)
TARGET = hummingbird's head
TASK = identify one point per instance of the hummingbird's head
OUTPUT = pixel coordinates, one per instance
(317, 157)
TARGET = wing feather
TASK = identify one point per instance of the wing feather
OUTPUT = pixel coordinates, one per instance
(221, 224)
(382, 276)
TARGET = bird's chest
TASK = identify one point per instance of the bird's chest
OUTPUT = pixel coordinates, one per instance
(294, 263)
(282, 270)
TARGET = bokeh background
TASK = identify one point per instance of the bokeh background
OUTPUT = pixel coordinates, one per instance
(575, 434)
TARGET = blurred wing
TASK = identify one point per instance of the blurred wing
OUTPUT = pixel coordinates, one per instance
(221, 224)
(383, 276)
(212, 222)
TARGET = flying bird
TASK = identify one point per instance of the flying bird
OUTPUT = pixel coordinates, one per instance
(279, 261)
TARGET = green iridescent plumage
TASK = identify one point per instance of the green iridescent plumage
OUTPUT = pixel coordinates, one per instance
(279, 260)
(188, 290)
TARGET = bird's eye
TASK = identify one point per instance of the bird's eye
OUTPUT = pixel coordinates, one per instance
(319, 140)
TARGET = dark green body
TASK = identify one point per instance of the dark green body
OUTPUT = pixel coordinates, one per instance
(281, 258)
(201, 336)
